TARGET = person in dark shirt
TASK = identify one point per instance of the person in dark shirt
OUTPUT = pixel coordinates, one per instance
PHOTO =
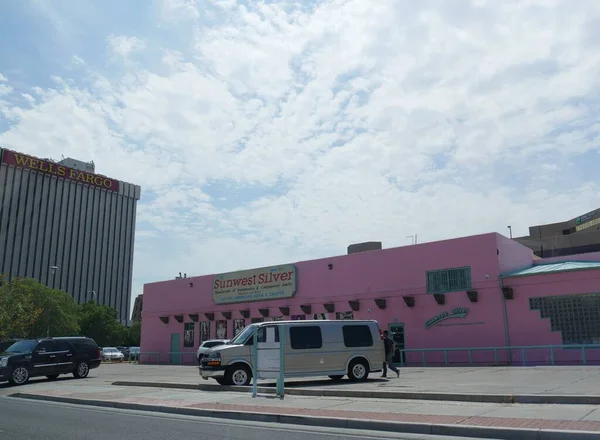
(389, 354)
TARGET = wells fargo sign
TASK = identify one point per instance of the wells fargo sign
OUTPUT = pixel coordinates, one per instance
(60, 171)
(255, 285)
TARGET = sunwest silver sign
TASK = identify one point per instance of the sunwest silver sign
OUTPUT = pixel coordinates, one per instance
(458, 312)
(262, 284)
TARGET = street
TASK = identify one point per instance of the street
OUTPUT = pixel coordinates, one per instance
(29, 420)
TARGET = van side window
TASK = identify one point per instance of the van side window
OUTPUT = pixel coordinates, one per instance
(265, 335)
(306, 338)
(357, 336)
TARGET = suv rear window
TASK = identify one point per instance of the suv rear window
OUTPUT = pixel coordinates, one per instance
(357, 336)
(306, 337)
(84, 344)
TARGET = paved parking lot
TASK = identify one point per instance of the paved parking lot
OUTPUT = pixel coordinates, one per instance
(476, 380)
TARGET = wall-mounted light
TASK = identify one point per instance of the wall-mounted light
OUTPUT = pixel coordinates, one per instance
(210, 316)
(409, 301)
(285, 311)
(439, 298)
(329, 308)
(381, 303)
(164, 319)
(264, 312)
(194, 317)
(306, 309)
(178, 318)
(472, 295)
(330, 266)
(508, 292)
(191, 284)
(354, 305)
(245, 313)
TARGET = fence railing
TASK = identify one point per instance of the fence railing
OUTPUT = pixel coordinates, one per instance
(585, 354)
(182, 358)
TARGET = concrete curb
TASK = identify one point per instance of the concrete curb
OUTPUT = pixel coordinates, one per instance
(328, 422)
(406, 395)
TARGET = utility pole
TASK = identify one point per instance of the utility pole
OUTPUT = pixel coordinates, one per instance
(510, 231)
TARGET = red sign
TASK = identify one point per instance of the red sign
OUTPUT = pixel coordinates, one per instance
(58, 170)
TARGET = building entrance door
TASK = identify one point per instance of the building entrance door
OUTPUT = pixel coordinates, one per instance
(175, 356)
(397, 335)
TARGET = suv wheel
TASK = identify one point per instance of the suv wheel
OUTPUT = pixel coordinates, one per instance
(81, 370)
(19, 376)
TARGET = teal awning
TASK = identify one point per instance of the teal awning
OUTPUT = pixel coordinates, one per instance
(547, 268)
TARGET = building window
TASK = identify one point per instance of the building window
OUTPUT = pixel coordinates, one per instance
(306, 338)
(449, 280)
(357, 336)
(576, 317)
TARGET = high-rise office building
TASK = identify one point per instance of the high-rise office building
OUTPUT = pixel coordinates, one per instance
(68, 227)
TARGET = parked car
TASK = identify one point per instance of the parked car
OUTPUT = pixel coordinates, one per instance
(112, 354)
(125, 351)
(209, 344)
(134, 354)
(49, 357)
(311, 348)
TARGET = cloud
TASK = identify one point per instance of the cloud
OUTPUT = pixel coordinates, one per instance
(123, 45)
(268, 132)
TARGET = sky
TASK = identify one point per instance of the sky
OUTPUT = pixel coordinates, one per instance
(267, 132)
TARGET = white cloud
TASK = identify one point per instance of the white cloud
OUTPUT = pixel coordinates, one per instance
(122, 45)
(286, 130)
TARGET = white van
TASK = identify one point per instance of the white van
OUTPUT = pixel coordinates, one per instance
(311, 348)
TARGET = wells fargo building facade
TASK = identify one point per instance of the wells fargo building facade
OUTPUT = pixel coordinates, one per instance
(69, 228)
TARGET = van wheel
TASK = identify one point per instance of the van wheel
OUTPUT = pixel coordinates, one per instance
(336, 377)
(238, 375)
(358, 371)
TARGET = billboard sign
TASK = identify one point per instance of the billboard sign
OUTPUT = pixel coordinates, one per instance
(267, 283)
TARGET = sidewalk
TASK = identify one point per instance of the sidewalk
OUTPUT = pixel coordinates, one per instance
(483, 420)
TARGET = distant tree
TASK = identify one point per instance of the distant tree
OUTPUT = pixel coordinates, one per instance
(100, 323)
(59, 313)
(18, 311)
(134, 334)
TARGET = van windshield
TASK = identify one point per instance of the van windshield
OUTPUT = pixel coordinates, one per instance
(242, 336)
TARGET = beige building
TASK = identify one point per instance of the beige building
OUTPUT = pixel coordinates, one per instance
(576, 236)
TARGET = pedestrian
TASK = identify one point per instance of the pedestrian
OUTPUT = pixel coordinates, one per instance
(389, 354)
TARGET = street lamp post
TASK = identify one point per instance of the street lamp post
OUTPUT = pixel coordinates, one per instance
(510, 231)
(94, 297)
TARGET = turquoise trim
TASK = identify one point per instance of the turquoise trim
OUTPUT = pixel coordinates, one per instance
(430, 273)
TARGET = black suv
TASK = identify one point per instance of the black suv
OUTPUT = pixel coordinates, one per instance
(49, 357)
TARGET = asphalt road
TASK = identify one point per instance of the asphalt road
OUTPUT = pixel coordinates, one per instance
(31, 420)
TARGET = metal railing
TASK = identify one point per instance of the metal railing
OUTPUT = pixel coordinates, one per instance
(585, 354)
(182, 358)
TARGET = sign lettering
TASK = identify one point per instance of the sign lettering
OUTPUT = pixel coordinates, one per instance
(458, 312)
(255, 285)
(58, 170)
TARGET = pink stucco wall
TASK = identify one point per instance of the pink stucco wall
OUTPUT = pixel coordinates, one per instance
(527, 328)
(389, 274)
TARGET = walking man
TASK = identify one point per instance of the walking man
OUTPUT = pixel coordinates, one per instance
(389, 354)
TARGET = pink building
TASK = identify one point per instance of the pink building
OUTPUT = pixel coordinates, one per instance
(454, 302)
